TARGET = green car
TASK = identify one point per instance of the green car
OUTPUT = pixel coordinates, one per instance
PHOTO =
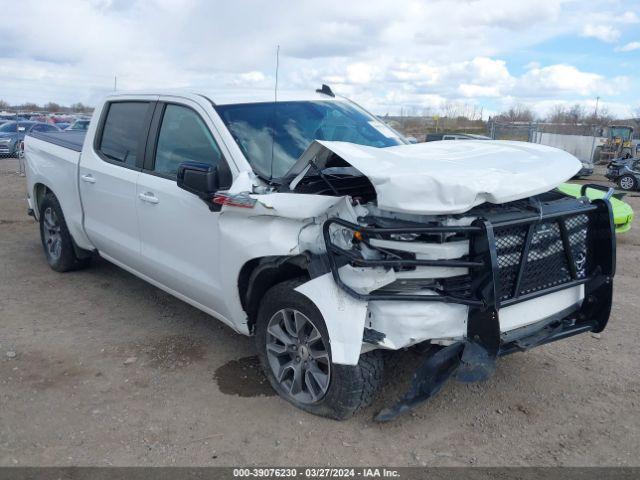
(622, 211)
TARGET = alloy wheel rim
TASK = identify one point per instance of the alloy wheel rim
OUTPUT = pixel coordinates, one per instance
(626, 183)
(52, 234)
(298, 356)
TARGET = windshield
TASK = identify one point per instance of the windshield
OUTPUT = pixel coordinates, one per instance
(8, 127)
(80, 125)
(622, 132)
(284, 130)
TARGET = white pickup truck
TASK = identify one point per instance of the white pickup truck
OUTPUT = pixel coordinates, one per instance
(310, 224)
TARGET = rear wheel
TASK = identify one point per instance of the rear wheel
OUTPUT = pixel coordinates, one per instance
(627, 182)
(56, 240)
(295, 353)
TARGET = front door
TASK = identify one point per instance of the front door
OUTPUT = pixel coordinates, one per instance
(179, 234)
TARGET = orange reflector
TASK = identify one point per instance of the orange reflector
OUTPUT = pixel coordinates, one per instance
(358, 236)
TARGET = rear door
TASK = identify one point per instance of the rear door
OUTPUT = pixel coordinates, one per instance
(108, 175)
(179, 234)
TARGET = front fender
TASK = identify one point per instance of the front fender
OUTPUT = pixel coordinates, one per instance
(343, 315)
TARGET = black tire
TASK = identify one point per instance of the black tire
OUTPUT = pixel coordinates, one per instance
(627, 182)
(62, 257)
(351, 387)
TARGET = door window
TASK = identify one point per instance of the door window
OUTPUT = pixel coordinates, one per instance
(184, 137)
(122, 131)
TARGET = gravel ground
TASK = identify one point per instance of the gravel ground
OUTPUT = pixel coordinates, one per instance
(99, 368)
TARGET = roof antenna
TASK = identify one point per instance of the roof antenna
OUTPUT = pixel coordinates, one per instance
(273, 118)
(275, 93)
(326, 90)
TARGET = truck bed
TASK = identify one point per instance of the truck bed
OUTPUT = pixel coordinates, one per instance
(72, 140)
(53, 161)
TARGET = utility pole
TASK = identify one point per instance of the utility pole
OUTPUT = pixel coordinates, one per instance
(593, 131)
(115, 83)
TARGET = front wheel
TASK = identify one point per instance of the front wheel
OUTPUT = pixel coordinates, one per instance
(295, 353)
(627, 182)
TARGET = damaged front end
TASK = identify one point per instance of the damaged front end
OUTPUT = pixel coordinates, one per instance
(489, 260)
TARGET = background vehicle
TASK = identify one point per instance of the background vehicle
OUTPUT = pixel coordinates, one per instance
(305, 223)
(619, 144)
(80, 125)
(625, 172)
(622, 211)
(433, 137)
(12, 135)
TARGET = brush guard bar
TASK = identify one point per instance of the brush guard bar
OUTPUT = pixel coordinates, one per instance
(473, 359)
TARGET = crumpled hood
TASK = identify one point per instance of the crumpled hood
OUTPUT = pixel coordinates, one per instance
(450, 176)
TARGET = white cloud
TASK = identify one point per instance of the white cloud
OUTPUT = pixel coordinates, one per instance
(253, 77)
(386, 54)
(562, 79)
(476, 91)
(359, 72)
(629, 17)
(606, 33)
(629, 47)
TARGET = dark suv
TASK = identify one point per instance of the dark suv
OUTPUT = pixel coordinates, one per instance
(12, 135)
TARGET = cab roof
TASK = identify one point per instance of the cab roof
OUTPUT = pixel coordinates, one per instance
(237, 96)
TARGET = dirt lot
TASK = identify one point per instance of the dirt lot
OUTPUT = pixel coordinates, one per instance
(100, 368)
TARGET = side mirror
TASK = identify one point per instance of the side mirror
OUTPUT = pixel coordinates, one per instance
(201, 179)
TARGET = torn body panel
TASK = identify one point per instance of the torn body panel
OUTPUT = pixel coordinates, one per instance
(447, 177)
(344, 317)
(285, 225)
(390, 280)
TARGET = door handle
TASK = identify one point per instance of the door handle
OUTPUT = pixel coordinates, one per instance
(88, 178)
(148, 197)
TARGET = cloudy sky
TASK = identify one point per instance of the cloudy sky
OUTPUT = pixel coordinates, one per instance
(386, 54)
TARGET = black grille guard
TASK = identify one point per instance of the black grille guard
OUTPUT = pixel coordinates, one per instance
(474, 358)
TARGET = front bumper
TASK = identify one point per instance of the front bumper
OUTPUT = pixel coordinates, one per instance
(6, 148)
(543, 266)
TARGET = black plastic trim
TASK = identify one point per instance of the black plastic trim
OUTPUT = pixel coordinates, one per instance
(482, 261)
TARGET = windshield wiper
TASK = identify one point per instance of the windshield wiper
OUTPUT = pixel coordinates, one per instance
(324, 178)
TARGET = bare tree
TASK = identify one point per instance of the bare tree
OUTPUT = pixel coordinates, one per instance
(517, 113)
(4, 105)
(29, 107)
(576, 114)
(80, 108)
(600, 118)
(52, 107)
